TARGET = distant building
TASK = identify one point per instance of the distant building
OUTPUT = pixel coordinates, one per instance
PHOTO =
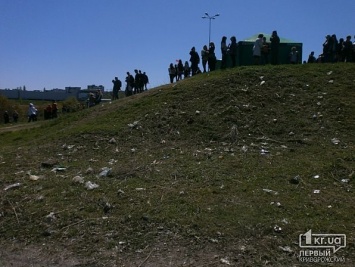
(49, 95)
(96, 87)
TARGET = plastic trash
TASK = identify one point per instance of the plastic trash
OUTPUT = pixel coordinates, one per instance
(316, 191)
(286, 249)
(277, 229)
(335, 141)
(264, 152)
(345, 181)
(316, 176)
(78, 179)
(225, 261)
(278, 204)
(90, 185)
(16, 185)
(270, 191)
(133, 125)
(105, 172)
(33, 177)
(140, 189)
(59, 169)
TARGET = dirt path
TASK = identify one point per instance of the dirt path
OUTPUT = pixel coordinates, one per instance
(19, 126)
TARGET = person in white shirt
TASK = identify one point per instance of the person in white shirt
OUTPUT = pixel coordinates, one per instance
(32, 113)
(257, 49)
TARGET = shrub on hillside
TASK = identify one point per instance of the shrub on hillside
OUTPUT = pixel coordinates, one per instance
(6, 105)
(72, 105)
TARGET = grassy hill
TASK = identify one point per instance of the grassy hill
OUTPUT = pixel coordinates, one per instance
(224, 168)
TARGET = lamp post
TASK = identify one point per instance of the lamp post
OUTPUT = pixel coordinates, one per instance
(210, 18)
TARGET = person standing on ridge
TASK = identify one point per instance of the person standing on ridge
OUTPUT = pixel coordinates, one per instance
(204, 57)
(195, 60)
(257, 49)
(275, 43)
(211, 57)
(224, 50)
(232, 50)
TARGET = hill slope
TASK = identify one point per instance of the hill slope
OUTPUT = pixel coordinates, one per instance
(223, 168)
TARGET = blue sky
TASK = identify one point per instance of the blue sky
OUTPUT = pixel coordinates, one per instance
(58, 43)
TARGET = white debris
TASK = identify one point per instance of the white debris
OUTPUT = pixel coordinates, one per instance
(335, 141)
(286, 249)
(270, 191)
(112, 141)
(33, 177)
(105, 171)
(78, 179)
(225, 261)
(133, 125)
(15, 185)
(140, 189)
(90, 185)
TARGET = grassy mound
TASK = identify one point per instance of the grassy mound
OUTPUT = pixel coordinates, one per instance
(228, 167)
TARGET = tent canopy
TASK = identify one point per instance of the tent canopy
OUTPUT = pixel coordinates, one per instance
(255, 36)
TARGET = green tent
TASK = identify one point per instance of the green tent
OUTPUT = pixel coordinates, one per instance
(245, 50)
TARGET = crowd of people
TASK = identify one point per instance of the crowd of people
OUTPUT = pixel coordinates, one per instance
(264, 52)
(207, 56)
(51, 111)
(7, 116)
(134, 84)
(334, 50)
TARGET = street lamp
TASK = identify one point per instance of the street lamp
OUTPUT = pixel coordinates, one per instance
(207, 16)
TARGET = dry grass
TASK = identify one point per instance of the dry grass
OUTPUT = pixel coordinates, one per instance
(189, 164)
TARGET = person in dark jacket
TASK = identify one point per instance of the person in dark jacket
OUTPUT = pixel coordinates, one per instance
(232, 50)
(6, 117)
(224, 49)
(274, 46)
(211, 57)
(195, 60)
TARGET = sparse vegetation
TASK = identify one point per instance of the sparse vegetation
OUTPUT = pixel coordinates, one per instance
(189, 165)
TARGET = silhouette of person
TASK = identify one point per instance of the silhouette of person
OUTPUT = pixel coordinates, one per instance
(204, 57)
(294, 55)
(265, 52)
(233, 49)
(187, 70)
(224, 50)
(275, 43)
(54, 109)
(195, 60)
(311, 58)
(116, 87)
(172, 72)
(212, 57)
(180, 70)
(145, 80)
(6, 117)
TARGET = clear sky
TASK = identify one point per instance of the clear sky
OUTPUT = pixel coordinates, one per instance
(58, 43)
